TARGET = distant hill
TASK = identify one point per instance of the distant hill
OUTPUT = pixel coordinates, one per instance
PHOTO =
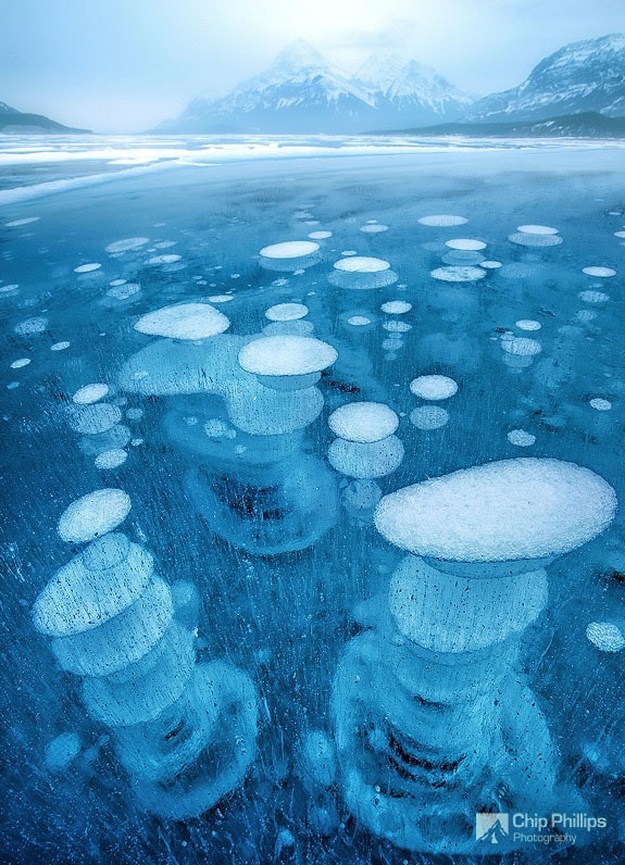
(300, 92)
(13, 121)
(588, 125)
(582, 77)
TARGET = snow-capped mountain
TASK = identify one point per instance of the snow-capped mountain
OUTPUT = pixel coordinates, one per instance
(300, 92)
(403, 89)
(581, 77)
(18, 122)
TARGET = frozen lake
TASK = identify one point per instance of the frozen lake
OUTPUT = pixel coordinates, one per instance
(475, 289)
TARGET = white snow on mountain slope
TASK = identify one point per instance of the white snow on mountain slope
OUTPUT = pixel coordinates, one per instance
(580, 77)
(302, 92)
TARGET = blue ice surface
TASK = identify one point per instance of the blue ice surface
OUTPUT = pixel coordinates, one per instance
(285, 619)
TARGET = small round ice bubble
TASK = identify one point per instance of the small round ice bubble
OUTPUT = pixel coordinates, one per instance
(124, 291)
(363, 421)
(31, 325)
(20, 362)
(111, 459)
(394, 326)
(286, 312)
(361, 264)
(286, 356)
(591, 296)
(528, 324)
(93, 515)
(620, 234)
(521, 346)
(373, 228)
(466, 244)
(127, 244)
(520, 438)
(91, 419)
(396, 307)
(433, 387)
(170, 258)
(320, 235)
(458, 273)
(184, 321)
(90, 393)
(290, 249)
(87, 268)
(443, 220)
(60, 346)
(537, 229)
(491, 265)
(600, 404)
(429, 417)
(600, 272)
(358, 320)
(606, 636)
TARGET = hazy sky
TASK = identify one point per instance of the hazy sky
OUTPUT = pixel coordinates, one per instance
(124, 65)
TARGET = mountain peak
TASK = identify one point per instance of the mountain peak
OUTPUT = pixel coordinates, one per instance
(299, 54)
(584, 76)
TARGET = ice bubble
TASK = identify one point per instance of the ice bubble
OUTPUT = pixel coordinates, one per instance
(537, 229)
(358, 320)
(429, 417)
(535, 240)
(601, 272)
(20, 362)
(112, 459)
(90, 393)
(115, 282)
(491, 265)
(286, 312)
(528, 324)
(300, 327)
(9, 290)
(127, 244)
(373, 228)
(134, 413)
(396, 307)
(363, 421)
(170, 258)
(361, 264)
(458, 273)
(87, 268)
(443, 220)
(116, 437)
(93, 515)
(290, 249)
(123, 291)
(184, 321)
(320, 235)
(60, 346)
(286, 356)
(221, 298)
(366, 460)
(466, 244)
(31, 325)
(448, 613)
(512, 509)
(600, 404)
(459, 257)
(520, 438)
(521, 346)
(591, 296)
(62, 751)
(433, 387)
(92, 419)
(349, 252)
(620, 234)
(216, 428)
(17, 223)
(397, 326)
(606, 636)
